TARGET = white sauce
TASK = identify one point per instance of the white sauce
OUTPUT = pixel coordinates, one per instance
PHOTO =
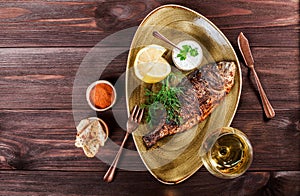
(190, 62)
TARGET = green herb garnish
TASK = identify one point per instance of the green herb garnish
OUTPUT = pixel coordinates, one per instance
(185, 50)
(164, 103)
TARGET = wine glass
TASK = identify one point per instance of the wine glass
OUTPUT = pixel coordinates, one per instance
(226, 153)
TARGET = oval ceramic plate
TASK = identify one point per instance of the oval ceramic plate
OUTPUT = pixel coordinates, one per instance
(175, 158)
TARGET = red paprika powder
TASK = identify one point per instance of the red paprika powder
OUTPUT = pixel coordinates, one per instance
(102, 95)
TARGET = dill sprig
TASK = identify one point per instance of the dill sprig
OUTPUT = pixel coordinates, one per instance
(165, 102)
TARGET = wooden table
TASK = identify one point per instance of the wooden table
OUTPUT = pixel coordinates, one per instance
(42, 46)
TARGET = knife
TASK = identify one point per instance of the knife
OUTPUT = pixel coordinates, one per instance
(248, 58)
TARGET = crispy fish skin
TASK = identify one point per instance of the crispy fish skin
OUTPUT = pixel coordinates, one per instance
(203, 90)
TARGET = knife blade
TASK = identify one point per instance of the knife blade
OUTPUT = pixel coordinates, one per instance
(245, 49)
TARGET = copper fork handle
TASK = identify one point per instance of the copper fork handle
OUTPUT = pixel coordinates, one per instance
(268, 109)
(108, 177)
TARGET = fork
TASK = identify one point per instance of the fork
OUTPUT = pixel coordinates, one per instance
(132, 124)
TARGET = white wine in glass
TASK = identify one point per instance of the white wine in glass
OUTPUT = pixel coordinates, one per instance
(230, 154)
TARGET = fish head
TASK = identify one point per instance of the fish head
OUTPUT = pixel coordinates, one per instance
(227, 70)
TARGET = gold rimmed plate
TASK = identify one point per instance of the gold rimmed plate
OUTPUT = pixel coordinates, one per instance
(175, 158)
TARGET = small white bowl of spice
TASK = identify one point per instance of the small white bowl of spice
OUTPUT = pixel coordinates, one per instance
(189, 56)
(101, 95)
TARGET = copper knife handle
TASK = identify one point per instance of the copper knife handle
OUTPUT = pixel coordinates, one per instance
(269, 111)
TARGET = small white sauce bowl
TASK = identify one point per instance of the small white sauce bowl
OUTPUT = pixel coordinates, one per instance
(190, 62)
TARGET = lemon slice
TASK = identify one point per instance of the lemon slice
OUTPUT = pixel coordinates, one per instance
(150, 66)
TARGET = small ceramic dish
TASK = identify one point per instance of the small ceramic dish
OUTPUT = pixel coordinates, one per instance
(191, 61)
(101, 95)
(91, 135)
(103, 125)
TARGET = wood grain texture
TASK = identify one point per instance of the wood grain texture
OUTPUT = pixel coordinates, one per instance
(89, 183)
(77, 23)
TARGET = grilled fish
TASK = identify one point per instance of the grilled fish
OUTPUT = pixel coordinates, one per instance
(203, 90)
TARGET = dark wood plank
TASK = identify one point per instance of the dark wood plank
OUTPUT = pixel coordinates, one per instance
(44, 140)
(55, 23)
(278, 77)
(90, 183)
(43, 77)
